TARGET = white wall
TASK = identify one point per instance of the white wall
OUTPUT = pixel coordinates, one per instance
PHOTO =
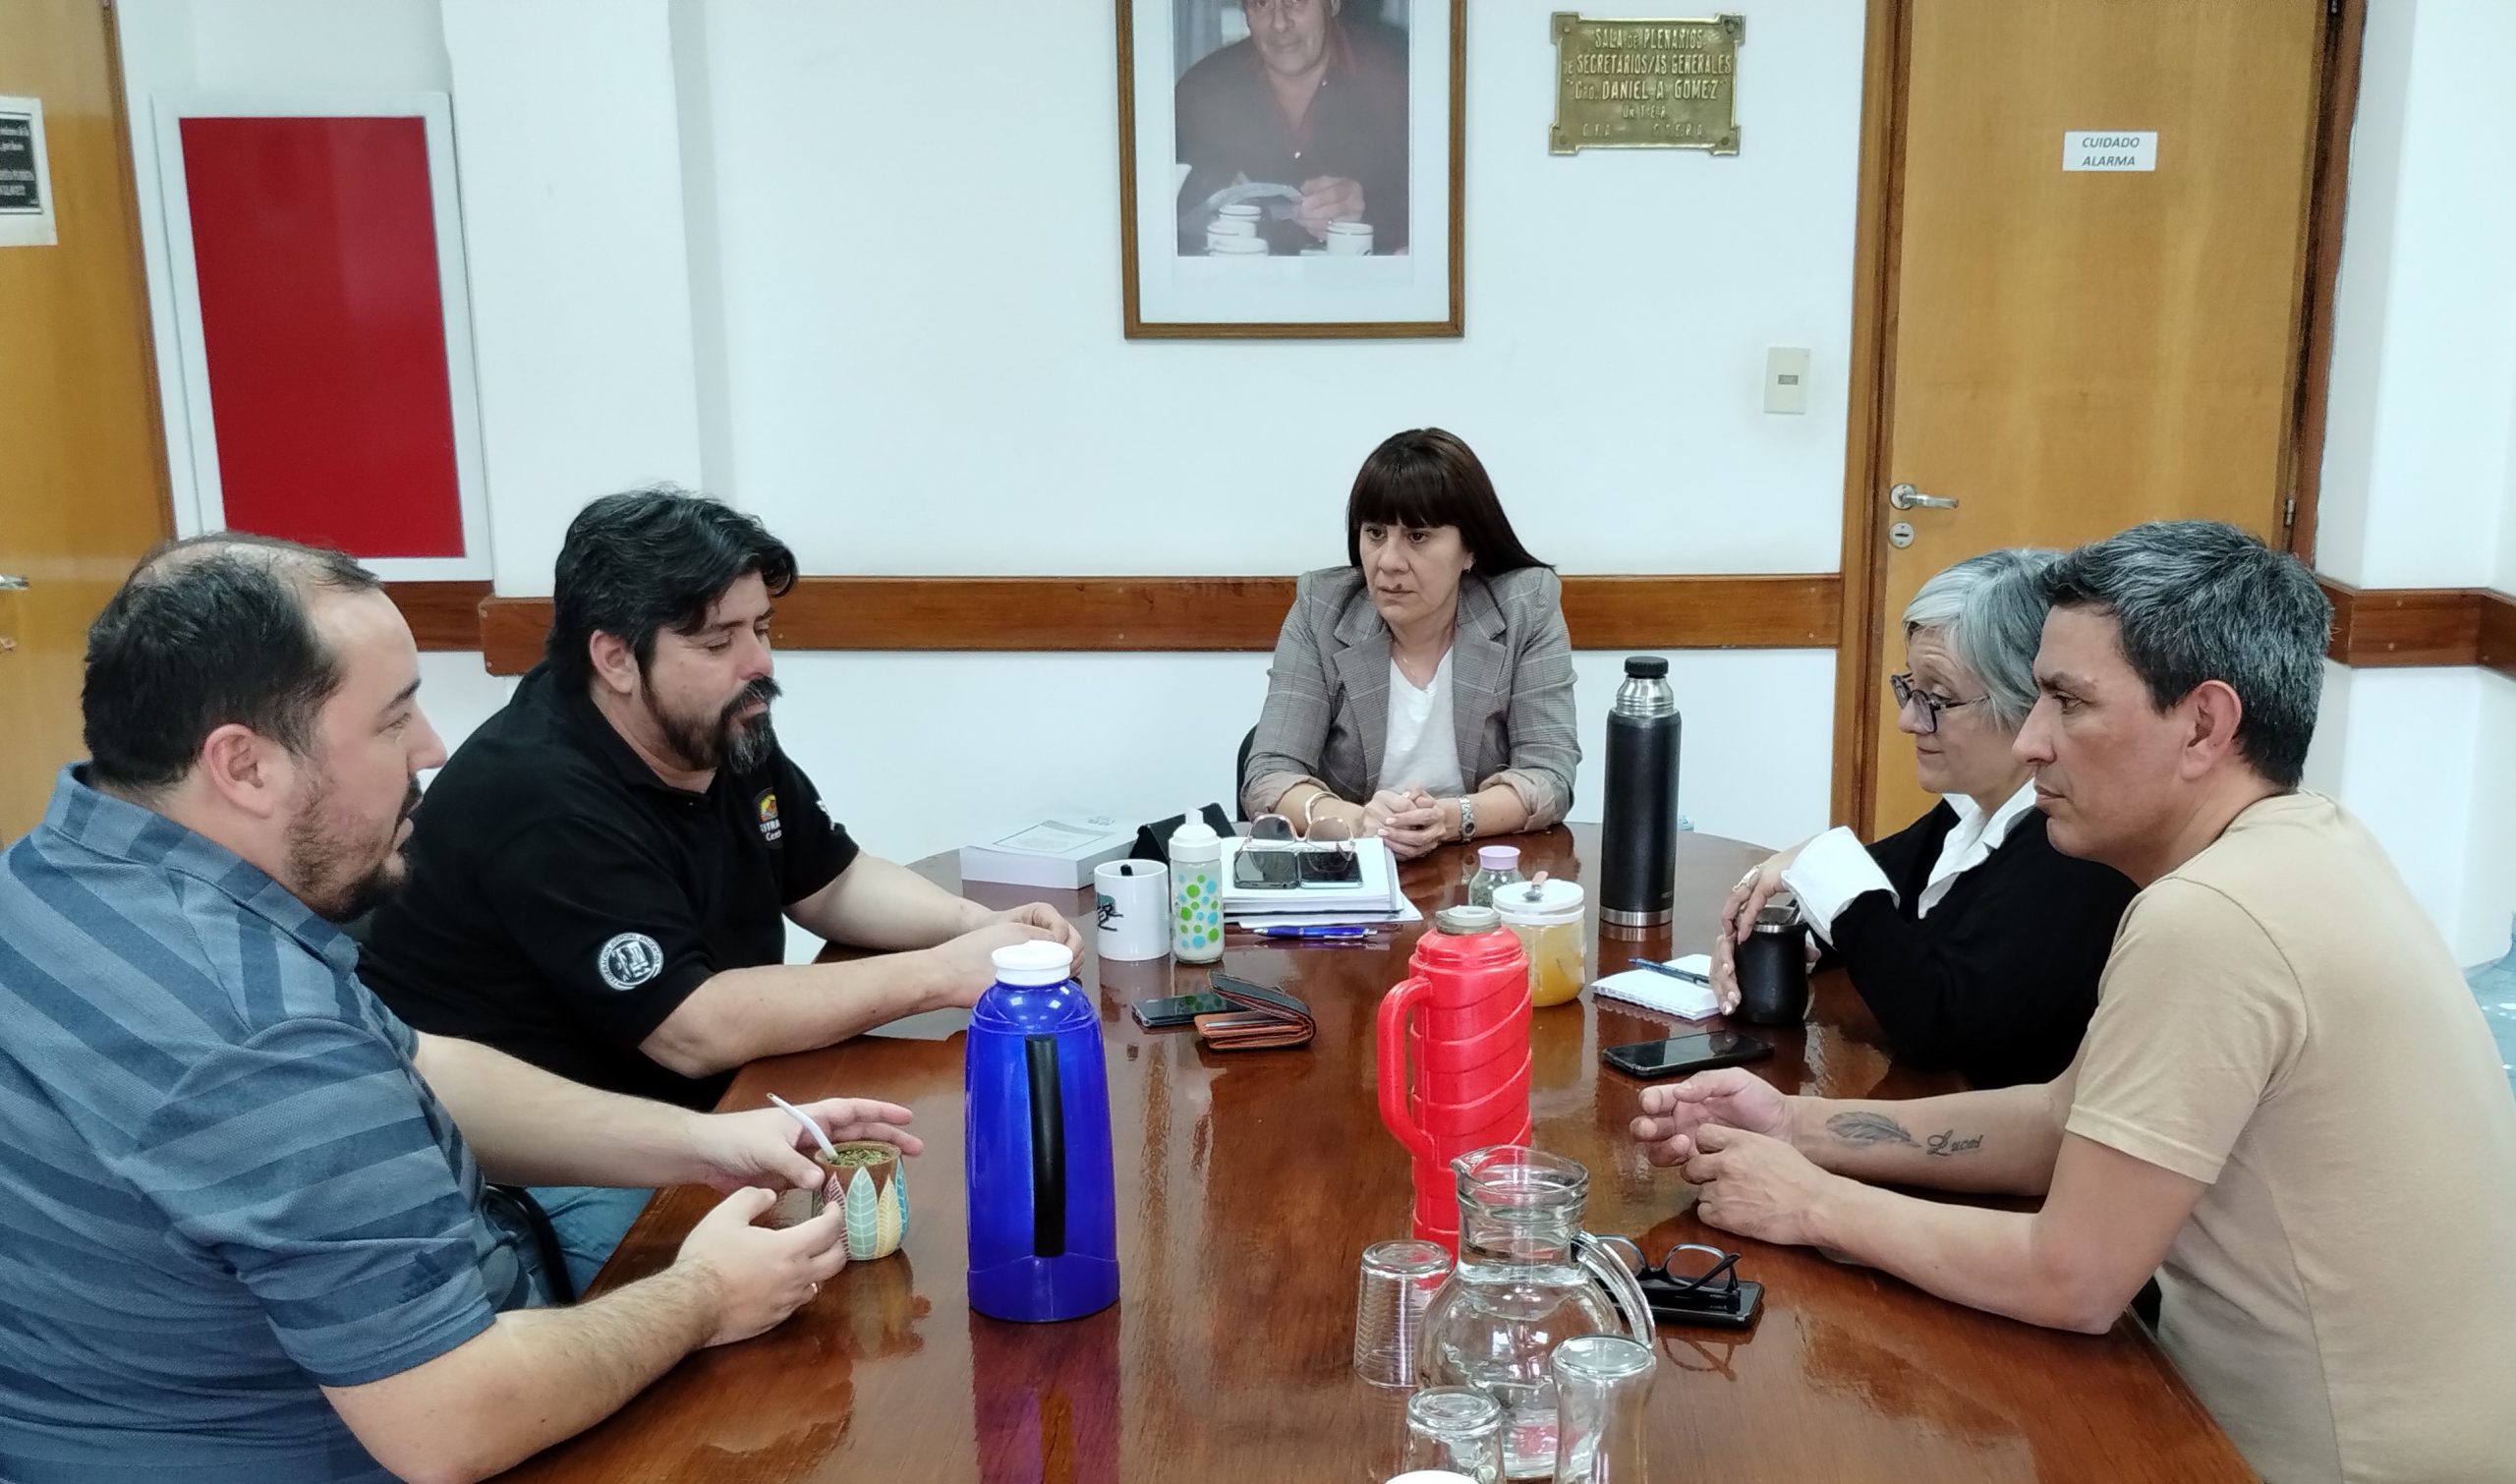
(2427, 759)
(2417, 477)
(822, 336)
(2505, 581)
(568, 143)
(2420, 462)
(902, 396)
(2427, 815)
(1619, 306)
(741, 246)
(456, 694)
(2489, 886)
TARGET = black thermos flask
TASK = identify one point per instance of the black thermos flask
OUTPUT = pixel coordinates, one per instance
(1638, 830)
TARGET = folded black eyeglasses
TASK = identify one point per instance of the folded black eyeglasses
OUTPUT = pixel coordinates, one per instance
(1696, 1283)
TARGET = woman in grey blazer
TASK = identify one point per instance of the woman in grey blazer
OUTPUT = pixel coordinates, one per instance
(1423, 692)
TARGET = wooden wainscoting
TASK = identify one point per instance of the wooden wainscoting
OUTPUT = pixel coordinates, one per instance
(2370, 627)
(2499, 632)
(2422, 626)
(442, 615)
(1209, 613)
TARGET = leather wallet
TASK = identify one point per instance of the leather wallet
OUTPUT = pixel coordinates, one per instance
(1261, 1019)
(1153, 841)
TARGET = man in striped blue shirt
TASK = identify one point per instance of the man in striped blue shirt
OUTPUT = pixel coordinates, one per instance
(240, 1231)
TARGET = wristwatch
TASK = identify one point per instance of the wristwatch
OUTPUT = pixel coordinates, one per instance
(1466, 818)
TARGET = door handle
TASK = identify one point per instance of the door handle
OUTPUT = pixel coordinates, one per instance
(9, 584)
(1907, 497)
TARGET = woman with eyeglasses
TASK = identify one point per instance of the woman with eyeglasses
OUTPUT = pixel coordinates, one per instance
(1975, 943)
(1422, 692)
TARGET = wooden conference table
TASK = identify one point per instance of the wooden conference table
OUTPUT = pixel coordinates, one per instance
(1249, 1182)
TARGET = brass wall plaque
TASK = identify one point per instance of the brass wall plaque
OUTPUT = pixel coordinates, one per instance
(1646, 84)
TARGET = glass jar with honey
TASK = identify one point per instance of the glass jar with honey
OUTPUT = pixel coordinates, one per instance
(1546, 917)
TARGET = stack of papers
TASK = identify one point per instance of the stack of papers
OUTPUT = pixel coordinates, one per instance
(1373, 899)
(1058, 851)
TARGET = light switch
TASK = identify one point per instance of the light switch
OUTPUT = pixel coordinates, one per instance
(1787, 379)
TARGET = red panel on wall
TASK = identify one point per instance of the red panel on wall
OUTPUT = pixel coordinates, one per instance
(315, 244)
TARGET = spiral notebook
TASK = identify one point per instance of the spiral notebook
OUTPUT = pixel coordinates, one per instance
(1667, 994)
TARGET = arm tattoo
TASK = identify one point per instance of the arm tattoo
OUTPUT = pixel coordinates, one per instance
(1867, 1128)
(1878, 1128)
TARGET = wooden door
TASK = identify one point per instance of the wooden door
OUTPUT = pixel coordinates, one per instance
(83, 478)
(2070, 352)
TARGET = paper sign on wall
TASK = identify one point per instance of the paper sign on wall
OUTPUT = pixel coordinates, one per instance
(2110, 149)
(26, 180)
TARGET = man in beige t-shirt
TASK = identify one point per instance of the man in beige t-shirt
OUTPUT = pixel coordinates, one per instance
(2287, 1103)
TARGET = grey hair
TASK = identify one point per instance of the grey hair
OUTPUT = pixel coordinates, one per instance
(2199, 600)
(1991, 610)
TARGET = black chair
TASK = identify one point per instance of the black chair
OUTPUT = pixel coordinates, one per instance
(513, 1209)
(1240, 771)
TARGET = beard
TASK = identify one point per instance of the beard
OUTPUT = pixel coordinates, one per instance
(338, 877)
(727, 739)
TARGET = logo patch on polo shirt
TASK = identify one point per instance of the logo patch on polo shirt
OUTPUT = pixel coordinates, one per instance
(766, 805)
(629, 960)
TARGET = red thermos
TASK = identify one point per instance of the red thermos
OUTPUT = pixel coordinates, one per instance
(1460, 1023)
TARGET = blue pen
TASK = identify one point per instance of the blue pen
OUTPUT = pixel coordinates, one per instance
(1670, 969)
(1339, 929)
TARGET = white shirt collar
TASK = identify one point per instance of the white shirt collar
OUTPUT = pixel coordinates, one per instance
(1972, 840)
(1997, 829)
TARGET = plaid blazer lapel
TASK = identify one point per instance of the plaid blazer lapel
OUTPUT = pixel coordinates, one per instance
(1363, 665)
(1476, 677)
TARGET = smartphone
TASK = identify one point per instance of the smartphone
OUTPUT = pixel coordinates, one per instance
(1281, 868)
(1685, 1053)
(1178, 1009)
(1256, 869)
(1330, 868)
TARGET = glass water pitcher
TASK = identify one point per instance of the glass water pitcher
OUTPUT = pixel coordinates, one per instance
(1528, 1279)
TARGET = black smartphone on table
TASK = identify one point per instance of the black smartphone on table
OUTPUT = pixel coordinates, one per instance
(1679, 1055)
(1175, 1010)
(1286, 868)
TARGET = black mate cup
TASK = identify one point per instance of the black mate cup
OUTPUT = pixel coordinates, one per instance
(1773, 966)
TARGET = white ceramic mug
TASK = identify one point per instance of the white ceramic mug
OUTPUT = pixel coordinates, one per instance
(1349, 239)
(1132, 902)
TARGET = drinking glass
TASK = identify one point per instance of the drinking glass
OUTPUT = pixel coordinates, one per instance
(1601, 1382)
(1457, 1428)
(1399, 1279)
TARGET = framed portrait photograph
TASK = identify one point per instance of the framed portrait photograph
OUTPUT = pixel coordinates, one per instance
(1291, 168)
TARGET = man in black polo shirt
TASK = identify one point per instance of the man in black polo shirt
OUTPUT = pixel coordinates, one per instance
(599, 877)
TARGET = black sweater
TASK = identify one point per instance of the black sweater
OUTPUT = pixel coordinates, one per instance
(1999, 982)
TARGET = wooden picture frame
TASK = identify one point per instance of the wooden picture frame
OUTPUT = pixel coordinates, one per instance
(1376, 272)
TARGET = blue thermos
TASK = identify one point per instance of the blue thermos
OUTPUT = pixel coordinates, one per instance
(1043, 1211)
